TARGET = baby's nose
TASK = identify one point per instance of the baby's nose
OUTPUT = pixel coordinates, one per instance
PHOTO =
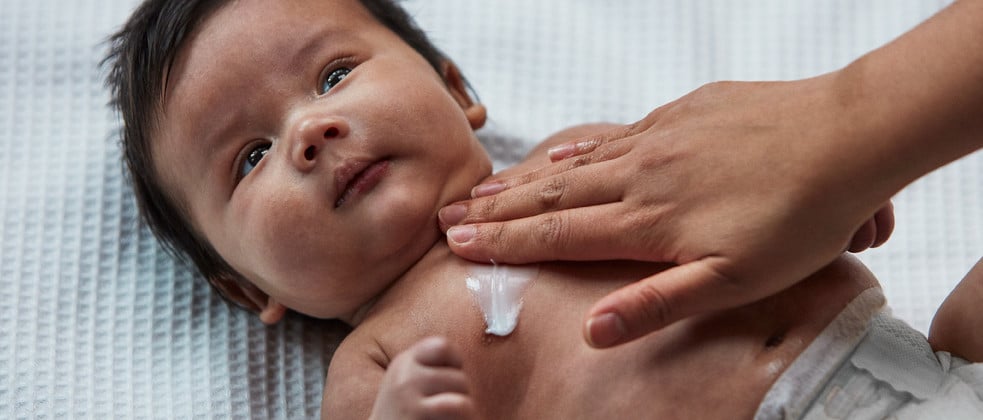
(311, 136)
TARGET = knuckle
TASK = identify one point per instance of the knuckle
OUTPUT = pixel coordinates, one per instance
(580, 161)
(648, 233)
(658, 167)
(655, 308)
(485, 207)
(494, 234)
(717, 85)
(551, 193)
(631, 129)
(403, 379)
(612, 151)
(592, 143)
(524, 179)
(707, 93)
(552, 231)
(730, 285)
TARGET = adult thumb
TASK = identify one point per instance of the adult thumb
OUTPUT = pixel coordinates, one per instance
(660, 300)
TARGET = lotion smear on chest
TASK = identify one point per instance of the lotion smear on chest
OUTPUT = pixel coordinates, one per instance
(498, 291)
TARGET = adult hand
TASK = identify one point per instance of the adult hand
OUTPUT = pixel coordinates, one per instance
(748, 187)
(722, 182)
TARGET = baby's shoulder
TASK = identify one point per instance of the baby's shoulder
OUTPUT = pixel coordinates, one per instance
(354, 373)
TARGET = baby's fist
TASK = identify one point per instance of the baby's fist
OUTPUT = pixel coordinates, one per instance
(425, 382)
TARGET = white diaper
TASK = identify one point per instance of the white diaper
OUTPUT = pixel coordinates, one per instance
(868, 365)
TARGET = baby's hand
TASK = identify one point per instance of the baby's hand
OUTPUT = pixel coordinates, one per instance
(425, 382)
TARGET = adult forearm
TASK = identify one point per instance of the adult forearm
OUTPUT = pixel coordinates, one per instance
(917, 102)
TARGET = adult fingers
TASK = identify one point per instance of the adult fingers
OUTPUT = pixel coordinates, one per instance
(588, 144)
(577, 188)
(884, 219)
(657, 301)
(572, 234)
(864, 237)
(605, 154)
(875, 232)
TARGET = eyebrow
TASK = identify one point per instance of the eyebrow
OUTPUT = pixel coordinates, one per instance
(213, 147)
(218, 128)
(313, 43)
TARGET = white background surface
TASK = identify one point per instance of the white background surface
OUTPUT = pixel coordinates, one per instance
(96, 321)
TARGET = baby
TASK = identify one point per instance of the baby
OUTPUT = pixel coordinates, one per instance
(298, 151)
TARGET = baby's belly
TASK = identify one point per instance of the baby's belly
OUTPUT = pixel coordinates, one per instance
(717, 365)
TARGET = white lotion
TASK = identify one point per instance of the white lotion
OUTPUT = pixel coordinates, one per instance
(498, 290)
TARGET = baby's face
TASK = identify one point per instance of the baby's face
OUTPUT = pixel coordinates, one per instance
(312, 147)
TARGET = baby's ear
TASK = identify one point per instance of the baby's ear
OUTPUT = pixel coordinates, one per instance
(474, 111)
(244, 294)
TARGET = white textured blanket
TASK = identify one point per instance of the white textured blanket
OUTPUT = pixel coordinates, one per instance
(97, 322)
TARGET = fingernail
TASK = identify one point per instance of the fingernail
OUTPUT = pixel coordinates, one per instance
(461, 234)
(605, 329)
(562, 151)
(487, 189)
(452, 215)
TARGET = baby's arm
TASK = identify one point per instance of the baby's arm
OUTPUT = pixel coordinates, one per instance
(423, 382)
(958, 325)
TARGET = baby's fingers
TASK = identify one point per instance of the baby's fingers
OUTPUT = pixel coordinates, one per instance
(449, 406)
(436, 381)
(436, 352)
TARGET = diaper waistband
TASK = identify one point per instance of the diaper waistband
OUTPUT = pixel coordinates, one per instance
(892, 367)
(801, 383)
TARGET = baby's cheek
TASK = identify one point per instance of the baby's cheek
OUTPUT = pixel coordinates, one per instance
(284, 234)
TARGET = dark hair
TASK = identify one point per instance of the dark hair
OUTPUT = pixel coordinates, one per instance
(140, 55)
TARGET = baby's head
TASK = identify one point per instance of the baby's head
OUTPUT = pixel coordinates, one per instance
(296, 151)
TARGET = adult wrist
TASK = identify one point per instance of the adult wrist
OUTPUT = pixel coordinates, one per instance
(915, 102)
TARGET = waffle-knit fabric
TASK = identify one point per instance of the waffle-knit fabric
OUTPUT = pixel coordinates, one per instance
(98, 322)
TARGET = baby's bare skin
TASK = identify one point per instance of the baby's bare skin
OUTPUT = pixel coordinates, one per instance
(374, 247)
(714, 366)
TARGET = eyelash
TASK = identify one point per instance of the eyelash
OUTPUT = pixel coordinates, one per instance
(243, 158)
(346, 64)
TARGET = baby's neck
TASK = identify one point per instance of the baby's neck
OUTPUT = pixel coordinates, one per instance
(437, 263)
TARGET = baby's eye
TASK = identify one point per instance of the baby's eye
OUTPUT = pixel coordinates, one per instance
(252, 159)
(333, 78)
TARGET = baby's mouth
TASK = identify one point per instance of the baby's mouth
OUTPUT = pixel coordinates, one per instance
(357, 177)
